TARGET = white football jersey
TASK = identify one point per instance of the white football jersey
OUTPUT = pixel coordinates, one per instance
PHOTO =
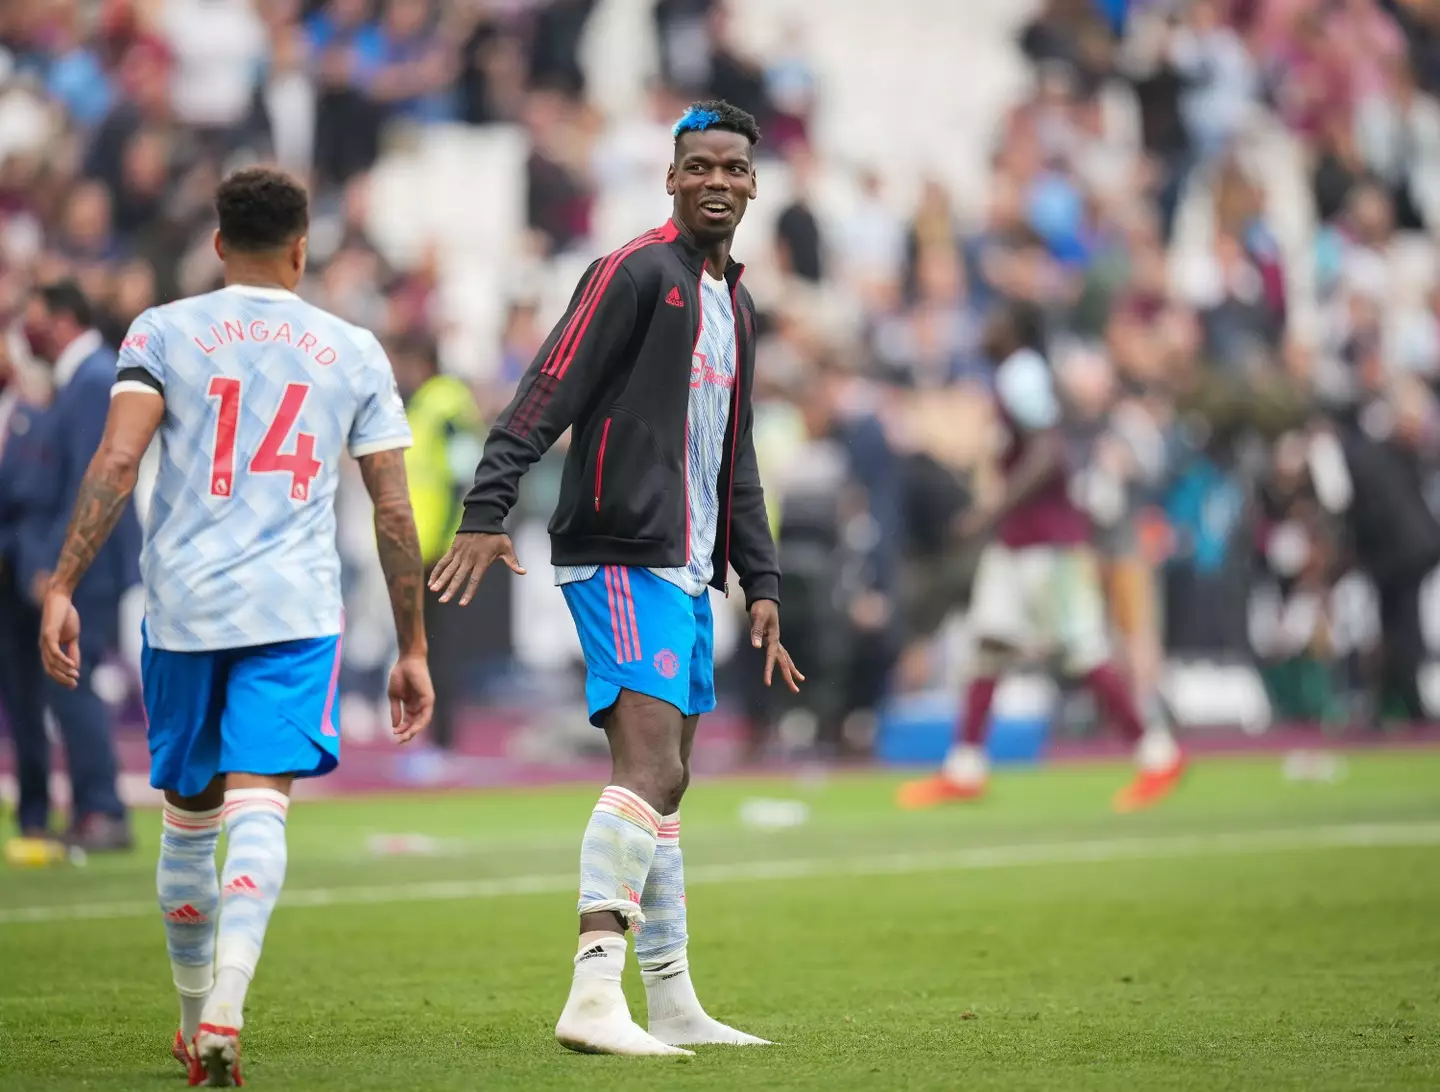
(263, 395)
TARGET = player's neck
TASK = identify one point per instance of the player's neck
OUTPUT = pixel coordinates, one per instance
(717, 253)
(250, 275)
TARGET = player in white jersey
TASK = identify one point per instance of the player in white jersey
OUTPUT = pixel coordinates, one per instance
(256, 397)
(652, 370)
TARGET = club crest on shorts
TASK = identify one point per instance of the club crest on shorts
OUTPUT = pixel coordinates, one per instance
(667, 663)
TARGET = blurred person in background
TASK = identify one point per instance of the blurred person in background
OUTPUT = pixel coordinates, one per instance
(47, 466)
(405, 64)
(1367, 470)
(839, 496)
(1037, 589)
(446, 427)
(1120, 459)
(347, 122)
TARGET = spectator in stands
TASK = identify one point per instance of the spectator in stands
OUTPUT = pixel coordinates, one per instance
(555, 57)
(559, 196)
(144, 81)
(347, 123)
(799, 247)
(404, 64)
(75, 74)
(219, 48)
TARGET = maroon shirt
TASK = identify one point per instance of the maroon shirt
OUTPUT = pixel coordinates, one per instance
(1049, 517)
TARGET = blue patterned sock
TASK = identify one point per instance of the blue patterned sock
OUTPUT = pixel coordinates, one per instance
(660, 941)
(615, 854)
(254, 873)
(189, 894)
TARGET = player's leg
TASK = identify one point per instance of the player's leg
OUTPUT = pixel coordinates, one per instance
(278, 724)
(189, 891)
(661, 942)
(630, 623)
(999, 620)
(1081, 630)
(182, 694)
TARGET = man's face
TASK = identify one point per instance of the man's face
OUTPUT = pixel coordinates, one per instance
(39, 329)
(712, 180)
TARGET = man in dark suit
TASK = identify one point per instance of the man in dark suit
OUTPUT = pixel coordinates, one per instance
(40, 476)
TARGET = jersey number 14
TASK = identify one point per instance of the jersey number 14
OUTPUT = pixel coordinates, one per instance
(300, 464)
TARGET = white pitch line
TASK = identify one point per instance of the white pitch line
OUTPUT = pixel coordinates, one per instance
(1093, 851)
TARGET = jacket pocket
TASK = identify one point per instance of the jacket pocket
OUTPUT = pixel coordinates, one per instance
(634, 484)
(600, 463)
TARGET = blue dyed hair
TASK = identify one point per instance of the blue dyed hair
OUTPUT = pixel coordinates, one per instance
(700, 117)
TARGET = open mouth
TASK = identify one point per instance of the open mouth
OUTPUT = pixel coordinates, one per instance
(712, 207)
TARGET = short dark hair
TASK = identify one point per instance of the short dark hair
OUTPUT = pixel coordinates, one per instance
(1027, 320)
(261, 208)
(701, 117)
(65, 297)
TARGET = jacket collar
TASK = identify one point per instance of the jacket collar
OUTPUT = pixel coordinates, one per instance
(694, 257)
(75, 354)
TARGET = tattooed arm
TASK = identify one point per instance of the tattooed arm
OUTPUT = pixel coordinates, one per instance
(411, 695)
(104, 491)
(395, 535)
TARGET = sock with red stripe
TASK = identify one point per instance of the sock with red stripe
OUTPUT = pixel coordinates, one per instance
(660, 942)
(616, 853)
(250, 885)
(189, 900)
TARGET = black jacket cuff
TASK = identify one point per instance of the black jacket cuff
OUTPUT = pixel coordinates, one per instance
(482, 518)
(762, 586)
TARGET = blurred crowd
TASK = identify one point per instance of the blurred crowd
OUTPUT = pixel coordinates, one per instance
(1225, 208)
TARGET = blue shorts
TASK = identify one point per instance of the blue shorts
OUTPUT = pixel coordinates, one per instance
(268, 709)
(641, 633)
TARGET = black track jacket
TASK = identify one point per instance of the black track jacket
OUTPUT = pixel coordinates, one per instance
(616, 370)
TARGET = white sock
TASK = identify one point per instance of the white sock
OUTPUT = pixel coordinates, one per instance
(254, 874)
(966, 765)
(600, 957)
(189, 894)
(661, 939)
(1157, 750)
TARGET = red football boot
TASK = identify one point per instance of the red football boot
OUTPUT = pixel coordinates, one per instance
(216, 1058)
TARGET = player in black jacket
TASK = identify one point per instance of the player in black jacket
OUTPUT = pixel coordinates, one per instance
(652, 368)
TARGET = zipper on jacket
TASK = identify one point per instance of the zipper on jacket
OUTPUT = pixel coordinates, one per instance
(600, 462)
(735, 436)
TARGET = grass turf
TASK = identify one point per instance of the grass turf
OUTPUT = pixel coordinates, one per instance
(1250, 934)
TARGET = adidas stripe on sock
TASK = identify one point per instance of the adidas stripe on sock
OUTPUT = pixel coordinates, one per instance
(189, 893)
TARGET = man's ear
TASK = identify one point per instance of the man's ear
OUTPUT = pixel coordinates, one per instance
(219, 246)
(670, 180)
(752, 182)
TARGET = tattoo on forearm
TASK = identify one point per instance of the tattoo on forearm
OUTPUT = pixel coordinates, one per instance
(398, 542)
(104, 491)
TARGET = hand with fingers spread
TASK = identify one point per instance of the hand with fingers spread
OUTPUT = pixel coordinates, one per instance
(466, 561)
(765, 633)
(412, 698)
(60, 639)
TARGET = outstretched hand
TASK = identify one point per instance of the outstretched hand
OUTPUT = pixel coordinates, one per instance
(765, 633)
(412, 698)
(466, 561)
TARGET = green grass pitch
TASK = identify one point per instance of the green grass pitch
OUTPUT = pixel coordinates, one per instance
(1251, 933)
